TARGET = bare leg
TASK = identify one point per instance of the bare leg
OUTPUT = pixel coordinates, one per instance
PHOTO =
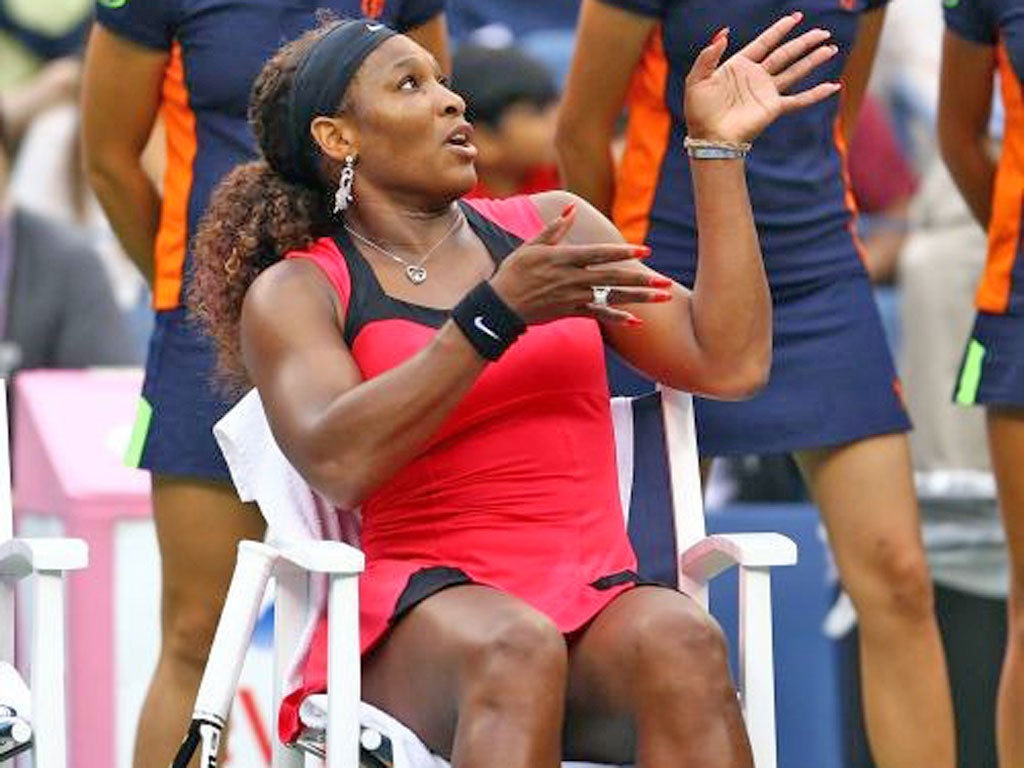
(479, 676)
(867, 500)
(649, 679)
(198, 528)
(1006, 444)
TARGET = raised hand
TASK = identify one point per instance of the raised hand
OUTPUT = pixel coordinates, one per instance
(735, 100)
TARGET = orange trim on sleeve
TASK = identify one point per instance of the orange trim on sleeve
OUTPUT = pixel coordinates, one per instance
(647, 137)
(851, 202)
(1004, 228)
(172, 236)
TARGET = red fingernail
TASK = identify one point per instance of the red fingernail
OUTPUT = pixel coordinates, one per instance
(660, 298)
(660, 282)
(719, 35)
(641, 252)
(634, 321)
(568, 209)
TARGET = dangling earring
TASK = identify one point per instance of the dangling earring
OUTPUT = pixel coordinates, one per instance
(343, 197)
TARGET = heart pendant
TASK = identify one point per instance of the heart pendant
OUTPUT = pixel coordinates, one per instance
(415, 273)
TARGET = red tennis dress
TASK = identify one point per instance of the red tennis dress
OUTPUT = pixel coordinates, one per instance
(517, 490)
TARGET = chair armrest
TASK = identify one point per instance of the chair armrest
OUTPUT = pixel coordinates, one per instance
(20, 557)
(334, 558)
(714, 554)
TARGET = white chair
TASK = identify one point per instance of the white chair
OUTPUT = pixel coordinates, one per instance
(32, 716)
(262, 474)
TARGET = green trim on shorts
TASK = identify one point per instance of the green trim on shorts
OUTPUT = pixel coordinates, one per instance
(143, 418)
(970, 374)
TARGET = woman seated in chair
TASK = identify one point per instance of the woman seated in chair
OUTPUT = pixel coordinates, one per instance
(440, 365)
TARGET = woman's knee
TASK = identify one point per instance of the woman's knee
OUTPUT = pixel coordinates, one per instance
(895, 584)
(188, 630)
(523, 650)
(679, 646)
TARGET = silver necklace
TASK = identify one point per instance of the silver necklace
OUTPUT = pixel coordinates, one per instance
(415, 271)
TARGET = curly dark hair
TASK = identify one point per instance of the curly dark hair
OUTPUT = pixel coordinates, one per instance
(256, 214)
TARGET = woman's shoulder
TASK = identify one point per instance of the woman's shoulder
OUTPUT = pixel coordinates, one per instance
(526, 215)
(327, 256)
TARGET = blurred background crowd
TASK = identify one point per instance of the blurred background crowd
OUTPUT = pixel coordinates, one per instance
(70, 297)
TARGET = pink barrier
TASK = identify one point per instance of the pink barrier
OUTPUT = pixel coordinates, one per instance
(70, 430)
(71, 433)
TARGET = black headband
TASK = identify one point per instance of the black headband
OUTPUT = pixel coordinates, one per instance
(322, 79)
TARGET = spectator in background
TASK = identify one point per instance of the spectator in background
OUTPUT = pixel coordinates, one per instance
(48, 178)
(56, 307)
(38, 41)
(543, 28)
(883, 184)
(982, 38)
(511, 100)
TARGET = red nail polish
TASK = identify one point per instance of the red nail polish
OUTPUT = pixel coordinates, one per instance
(660, 282)
(567, 210)
(641, 252)
(661, 298)
(634, 322)
(719, 35)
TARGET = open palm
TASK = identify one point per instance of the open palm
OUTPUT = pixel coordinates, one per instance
(737, 99)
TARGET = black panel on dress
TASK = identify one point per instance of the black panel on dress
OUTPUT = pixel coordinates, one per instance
(368, 302)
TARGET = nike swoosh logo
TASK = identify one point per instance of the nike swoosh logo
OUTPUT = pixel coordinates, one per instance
(374, 27)
(478, 321)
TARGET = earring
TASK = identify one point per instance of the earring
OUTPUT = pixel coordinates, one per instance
(343, 197)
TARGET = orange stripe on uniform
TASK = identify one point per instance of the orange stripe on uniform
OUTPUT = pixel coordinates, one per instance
(647, 135)
(172, 237)
(1004, 227)
(851, 202)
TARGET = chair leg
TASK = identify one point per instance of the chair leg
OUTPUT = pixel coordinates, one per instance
(291, 608)
(757, 676)
(343, 672)
(8, 588)
(48, 702)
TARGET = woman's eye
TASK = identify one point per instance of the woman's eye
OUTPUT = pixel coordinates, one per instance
(447, 83)
(408, 83)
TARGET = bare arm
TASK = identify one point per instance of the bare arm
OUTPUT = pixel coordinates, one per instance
(965, 103)
(857, 71)
(344, 435)
(118, 116)
(433, 35)
(609, 44)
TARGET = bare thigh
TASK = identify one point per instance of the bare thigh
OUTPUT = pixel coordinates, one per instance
(866, 495)
(1006, 440)
(652, 659)
(452, 643)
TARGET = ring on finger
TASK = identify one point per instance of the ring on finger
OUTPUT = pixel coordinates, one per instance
(601, 294)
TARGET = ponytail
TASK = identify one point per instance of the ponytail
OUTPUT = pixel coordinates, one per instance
(255, 217)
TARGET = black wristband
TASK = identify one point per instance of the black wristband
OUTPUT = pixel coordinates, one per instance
(488, 322)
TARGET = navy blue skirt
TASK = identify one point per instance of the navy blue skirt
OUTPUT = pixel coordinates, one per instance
(992, 371)
(181, 401)
(832, 379)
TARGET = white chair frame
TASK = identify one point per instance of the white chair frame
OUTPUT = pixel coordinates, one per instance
(47, 561)
(701, 558)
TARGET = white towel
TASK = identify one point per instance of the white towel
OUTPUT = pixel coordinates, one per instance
(294, 512)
